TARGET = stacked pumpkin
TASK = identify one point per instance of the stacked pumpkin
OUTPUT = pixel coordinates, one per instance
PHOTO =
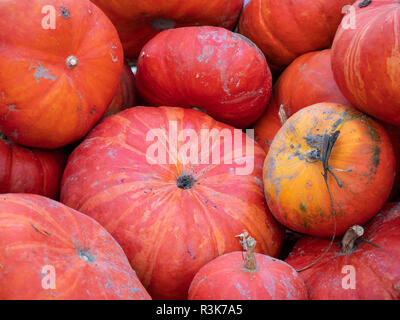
(146, 210)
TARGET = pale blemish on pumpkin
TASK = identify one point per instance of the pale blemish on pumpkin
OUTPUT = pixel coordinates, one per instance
(41, 72)
(242, 291)
(14, 134)
(113, 58)
(208, 51)
(84, 255)
(259, 182)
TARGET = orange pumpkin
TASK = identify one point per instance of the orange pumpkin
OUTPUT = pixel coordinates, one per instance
(307, 80)
(171, 216)
(260, 277)
(51, 252)
(284, 30)
(60, 65)
(137, 21)
(363, 265)
(366, 59)
(360, 177)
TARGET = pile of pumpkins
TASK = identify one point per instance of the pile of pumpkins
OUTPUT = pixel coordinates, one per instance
(84, 214)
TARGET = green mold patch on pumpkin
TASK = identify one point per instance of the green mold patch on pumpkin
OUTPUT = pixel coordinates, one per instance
(303, 207)
(376, 157)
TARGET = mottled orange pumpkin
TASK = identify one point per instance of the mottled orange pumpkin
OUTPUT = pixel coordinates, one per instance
(307, 80)
(284, 30)
(361, 164)
(51, 252)
(137, 21)
(60, 64)
(125, 97)
(354, 269)
(366, 59)
(171, 216)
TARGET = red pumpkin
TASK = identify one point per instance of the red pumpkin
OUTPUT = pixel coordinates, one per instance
(171, 215)
(366, 60)
(260, 277)
(308, 80)
(211, 68)
(361, 168)
(56, 81)
(49, 251)
(354, 269)
(137, 21)
(24, 170)
(126, 93)
(284, 30)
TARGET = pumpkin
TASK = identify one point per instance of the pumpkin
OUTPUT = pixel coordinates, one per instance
(56, 80)
(394, 135)
(359, 166)
(49, 251)
(306, 81)
(260, 277)
(24, 170)
(137, 21)
(171, 215)
(366, 60)
(125, 95)
(284, 30)
(210, 68)
(364, 265)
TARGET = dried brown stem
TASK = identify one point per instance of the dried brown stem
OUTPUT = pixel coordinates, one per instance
(248, 244)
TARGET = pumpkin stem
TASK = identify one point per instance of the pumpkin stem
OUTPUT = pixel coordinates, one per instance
(72, 62)
(185, 181)
(325, 148)
(282, 114)
(248, 244)
(350, 237)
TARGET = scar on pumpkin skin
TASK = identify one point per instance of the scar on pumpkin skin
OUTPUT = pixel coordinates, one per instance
(45, 233)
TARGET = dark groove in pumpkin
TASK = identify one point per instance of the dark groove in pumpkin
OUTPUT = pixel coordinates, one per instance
(365, 3)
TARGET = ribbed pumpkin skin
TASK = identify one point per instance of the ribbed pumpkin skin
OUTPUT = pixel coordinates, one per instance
(24, 170)
(43, 103)
(137, 21)
(366, 60)
(89, 264)
(125, 96)
(376, 269)
(206, 67)
(306, 81)
(295, 188)
(167, 232)
(224, 279)
(284, 30)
